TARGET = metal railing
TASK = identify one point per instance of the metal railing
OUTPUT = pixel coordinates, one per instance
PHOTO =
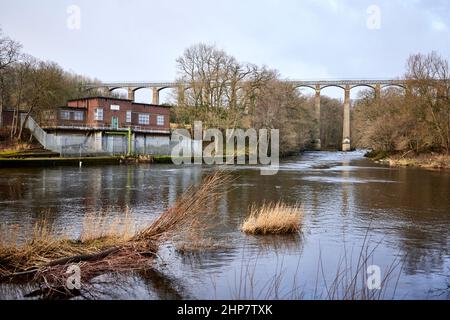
(107, 128)
(35, 129)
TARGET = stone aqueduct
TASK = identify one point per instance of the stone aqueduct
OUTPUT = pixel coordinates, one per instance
(316, 85)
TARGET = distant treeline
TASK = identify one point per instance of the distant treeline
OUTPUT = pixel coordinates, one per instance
(225, 93)
(413, 119)
(30, 85)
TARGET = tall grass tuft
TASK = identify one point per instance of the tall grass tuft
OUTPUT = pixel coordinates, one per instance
(120, 228)
(191, 213)
(273, 218)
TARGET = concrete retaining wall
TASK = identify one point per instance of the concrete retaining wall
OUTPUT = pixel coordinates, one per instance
(79, 143)
(108, 144)
(145, 144)
(85, 143)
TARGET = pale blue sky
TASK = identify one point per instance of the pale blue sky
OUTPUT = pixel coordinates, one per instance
(303, 39)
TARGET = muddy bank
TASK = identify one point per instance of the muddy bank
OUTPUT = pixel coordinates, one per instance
(427, 161)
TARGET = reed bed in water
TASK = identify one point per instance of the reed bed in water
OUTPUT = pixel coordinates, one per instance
(273, 218)
(101, 248)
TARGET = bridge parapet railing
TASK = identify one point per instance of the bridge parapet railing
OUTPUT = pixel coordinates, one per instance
(175, 84)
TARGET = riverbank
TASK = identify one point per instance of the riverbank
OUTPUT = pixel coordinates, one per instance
(24, 159)
(426, 161)
(56, 162)
(83, 161)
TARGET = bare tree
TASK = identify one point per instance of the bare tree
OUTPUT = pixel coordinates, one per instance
(45, 83)
(279, 106)
(217, 85)
(430, 79)
(331, 121)
(20, 77)
(224, 93)
(9, 53)
(416, 120)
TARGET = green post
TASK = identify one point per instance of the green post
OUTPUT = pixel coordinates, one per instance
(129, 141)
(124, 133)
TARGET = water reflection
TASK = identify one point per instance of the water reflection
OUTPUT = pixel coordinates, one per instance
(407, 211)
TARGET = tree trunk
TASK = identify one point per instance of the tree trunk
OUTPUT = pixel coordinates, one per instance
(84, 257)
(13, 125)
(1, 105)
(16, 119)
(1, 100)
(1, 112)
(19, 135)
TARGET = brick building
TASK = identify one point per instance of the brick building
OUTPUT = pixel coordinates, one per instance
(103, 125)
(112, 113)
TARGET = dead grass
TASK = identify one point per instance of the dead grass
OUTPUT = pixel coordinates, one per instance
(101, 226)
(190, 213)
(273, 218)
(105, 245)
(45, 244)
(14, 148)
(427, 161)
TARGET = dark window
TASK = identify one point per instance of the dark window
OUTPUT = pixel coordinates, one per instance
(65, 115)
(79, 116)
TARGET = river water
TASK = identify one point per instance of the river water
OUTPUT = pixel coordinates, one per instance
(400, 217)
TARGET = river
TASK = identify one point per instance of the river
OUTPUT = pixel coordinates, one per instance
(402, 214)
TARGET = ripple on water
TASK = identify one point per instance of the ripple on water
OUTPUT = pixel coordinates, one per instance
(343, 180)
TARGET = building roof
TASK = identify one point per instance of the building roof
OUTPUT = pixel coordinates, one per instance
(69, 107)
(151, 105)
(99, 97)
(120, 99)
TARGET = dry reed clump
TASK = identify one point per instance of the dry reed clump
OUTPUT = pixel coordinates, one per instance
(101, 226)
(190, 213)
(45, 245)
(273, 218)
(104, 246)
(428, 161)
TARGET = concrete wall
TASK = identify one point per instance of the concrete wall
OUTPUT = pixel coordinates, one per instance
(113, 144)
(71, 144)
(84, 143)
(145, 144)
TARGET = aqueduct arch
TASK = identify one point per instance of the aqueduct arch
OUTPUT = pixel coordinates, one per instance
(316, 85)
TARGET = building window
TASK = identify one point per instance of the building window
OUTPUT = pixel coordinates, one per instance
(128, 116)
(65, 115)
(160, 121)
(144, 119)
(79, 116)
(98, 114)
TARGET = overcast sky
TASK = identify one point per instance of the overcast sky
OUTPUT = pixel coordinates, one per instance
(134, 40)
